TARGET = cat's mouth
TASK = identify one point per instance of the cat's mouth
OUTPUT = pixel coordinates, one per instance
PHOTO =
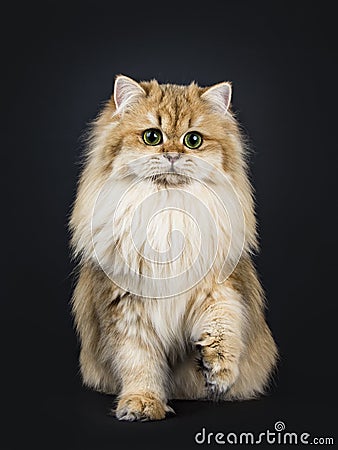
(171, 178)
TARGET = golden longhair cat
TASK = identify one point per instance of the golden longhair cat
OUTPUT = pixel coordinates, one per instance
(168, 304)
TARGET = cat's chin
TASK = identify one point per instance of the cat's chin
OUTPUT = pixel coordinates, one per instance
(170, 179)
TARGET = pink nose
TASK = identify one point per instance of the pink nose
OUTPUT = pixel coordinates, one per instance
(172, 157)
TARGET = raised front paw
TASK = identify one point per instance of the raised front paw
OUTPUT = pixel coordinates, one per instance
(141, 407)
(219, 364)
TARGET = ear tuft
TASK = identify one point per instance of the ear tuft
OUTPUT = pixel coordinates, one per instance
(126, 92)
(219, 96)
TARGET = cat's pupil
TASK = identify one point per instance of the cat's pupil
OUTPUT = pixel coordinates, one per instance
(152, 136)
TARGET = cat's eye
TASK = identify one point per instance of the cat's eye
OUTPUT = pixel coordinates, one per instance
(152, 137)
(193, 140)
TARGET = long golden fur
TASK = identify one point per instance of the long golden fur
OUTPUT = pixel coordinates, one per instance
(210, 341)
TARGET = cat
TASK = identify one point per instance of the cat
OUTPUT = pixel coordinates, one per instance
(168, 304)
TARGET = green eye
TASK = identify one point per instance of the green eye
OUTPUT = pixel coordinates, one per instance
(193, 140)
(152, 137)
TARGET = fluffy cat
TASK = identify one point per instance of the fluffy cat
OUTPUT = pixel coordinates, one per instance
(168, 304)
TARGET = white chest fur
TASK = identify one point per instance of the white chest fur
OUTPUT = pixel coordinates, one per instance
(159, 243)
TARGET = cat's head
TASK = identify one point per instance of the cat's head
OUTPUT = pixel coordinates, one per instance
(168, 134)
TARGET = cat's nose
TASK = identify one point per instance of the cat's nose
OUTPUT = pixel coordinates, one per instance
(172, 157)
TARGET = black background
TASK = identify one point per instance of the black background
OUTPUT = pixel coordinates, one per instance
(59, 62)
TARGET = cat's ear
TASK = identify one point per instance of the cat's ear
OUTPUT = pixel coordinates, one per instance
(219, 96)
(126, 92)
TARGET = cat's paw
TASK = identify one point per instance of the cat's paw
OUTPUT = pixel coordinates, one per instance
(141, 407)
(218, 364)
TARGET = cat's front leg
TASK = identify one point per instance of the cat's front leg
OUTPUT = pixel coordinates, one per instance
(142, 371)
(218, 335)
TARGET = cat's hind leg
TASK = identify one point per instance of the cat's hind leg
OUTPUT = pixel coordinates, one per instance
(95, 373)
